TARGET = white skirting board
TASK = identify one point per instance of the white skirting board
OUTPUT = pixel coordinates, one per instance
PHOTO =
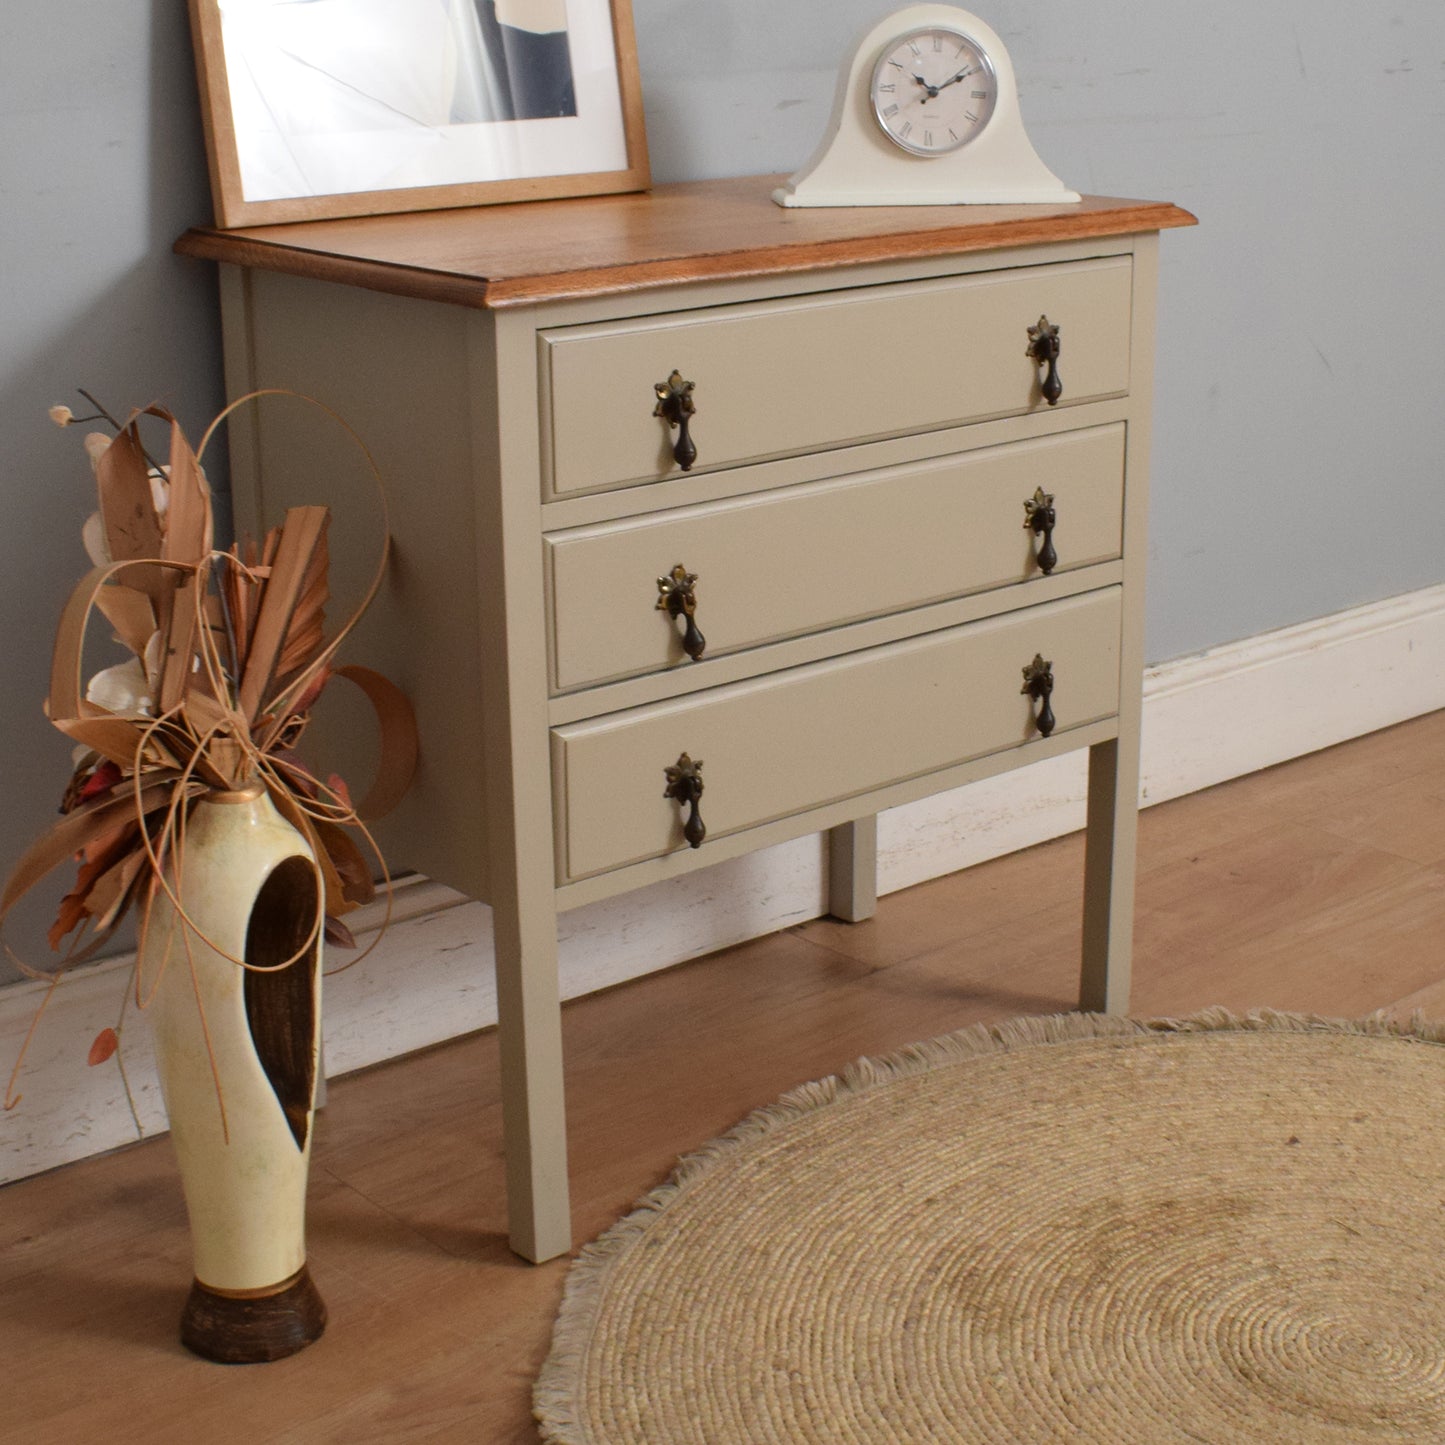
(1226, 712)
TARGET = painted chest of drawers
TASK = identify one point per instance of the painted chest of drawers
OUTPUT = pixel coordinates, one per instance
(714, 525)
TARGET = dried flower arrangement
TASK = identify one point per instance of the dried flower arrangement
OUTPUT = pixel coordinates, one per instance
(228, 655)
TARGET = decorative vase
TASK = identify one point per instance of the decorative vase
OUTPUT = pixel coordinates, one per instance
(237, 1051)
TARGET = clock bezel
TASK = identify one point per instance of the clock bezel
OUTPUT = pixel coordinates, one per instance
(929, 152)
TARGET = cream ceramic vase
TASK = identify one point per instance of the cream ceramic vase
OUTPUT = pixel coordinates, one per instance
(248, 882)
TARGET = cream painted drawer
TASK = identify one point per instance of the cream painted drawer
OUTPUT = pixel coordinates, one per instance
(791, 376)
(796, 740)
(822, 554)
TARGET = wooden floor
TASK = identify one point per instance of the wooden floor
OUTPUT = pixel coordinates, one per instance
(1316, 886)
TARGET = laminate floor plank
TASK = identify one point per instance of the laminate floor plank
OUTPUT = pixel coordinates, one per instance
(1406, 818)
(1318, 886)
(932, 915)
(1332, 775)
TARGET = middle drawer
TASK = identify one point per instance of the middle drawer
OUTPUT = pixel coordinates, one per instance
(800, 559)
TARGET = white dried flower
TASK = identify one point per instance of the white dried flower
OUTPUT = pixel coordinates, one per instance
(155, 654)
(97, 443)
(61, 415)
(160, 490)
(93, 535)
(122, 689)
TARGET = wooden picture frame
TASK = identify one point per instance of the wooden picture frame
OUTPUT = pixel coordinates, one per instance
(321, 109)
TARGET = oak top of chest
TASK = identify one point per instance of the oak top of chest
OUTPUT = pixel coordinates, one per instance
(519, 254)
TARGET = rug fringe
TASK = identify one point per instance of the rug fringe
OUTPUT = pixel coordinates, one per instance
(554, 1394)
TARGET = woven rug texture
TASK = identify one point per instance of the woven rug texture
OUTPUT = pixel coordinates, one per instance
(1222, 1229)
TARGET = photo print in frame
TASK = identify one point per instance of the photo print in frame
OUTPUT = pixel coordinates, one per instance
(322, 108)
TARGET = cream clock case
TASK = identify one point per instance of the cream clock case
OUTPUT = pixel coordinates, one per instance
(926, 114)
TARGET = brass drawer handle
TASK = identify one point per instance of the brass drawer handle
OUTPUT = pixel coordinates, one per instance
(678, 599)
(1044, 348)
(684, 785)
(675, 405)
(1040, 519)
(1039, 685)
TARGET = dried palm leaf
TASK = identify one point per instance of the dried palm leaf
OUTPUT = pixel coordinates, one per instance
(229, 654)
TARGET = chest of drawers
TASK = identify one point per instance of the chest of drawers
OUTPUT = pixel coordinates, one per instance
(648, 625)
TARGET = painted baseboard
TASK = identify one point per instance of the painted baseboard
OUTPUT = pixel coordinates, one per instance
(1221, 714)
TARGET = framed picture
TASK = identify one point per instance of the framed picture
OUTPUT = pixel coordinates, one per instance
(318, 108)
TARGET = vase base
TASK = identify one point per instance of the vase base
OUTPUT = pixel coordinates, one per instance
(242, 1328)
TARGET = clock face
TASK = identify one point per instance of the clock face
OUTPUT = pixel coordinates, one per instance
(933, 90)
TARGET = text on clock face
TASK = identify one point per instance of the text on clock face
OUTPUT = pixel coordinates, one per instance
(933, 91)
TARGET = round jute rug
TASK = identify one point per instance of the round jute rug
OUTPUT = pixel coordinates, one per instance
(1222, 1229)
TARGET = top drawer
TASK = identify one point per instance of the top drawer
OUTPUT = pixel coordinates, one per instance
(827, 370)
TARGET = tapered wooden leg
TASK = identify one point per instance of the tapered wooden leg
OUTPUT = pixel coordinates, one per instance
(529, 1021)
(1109, 876)
(1113, 814)
(853, 870)
(520, 864)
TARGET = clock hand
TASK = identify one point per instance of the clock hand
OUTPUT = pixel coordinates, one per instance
(931, 89)
(967, 70)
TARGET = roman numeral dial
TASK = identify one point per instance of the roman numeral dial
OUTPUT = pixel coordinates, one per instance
(933, 90)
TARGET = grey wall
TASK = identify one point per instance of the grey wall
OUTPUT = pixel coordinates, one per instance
(101, 167)
(1299, 452)
(1301, 413)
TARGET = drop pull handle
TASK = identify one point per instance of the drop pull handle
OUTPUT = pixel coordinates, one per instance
(678, 599)
(684, 786)
(675, 405)
(1040, 519)
(1044, 348)
(1039, 685)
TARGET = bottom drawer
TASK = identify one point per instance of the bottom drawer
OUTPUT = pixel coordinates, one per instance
(782, 744)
